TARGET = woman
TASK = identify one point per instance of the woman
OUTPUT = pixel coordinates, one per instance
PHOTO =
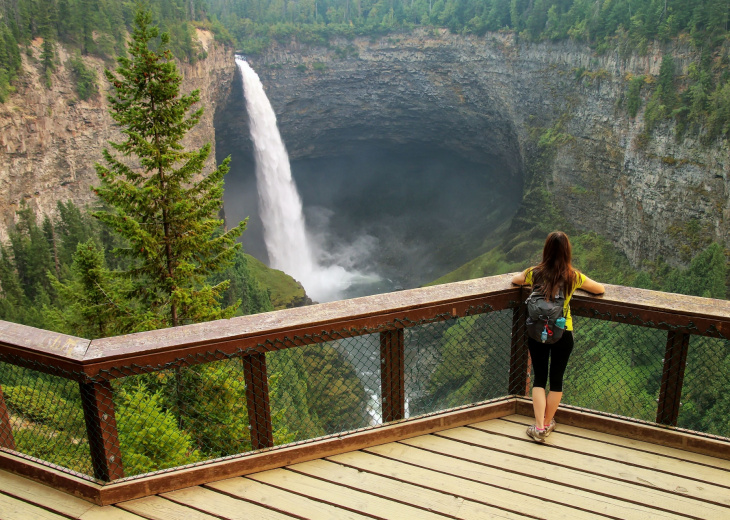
(555, 272)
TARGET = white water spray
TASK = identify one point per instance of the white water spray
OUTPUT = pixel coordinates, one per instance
(285, 232)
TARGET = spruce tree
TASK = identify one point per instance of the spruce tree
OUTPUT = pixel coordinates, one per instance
(161, 202)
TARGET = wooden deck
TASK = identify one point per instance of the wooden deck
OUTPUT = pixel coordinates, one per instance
(485, 470)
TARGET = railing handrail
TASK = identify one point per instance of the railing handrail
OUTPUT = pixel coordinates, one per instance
(245, 332)
(95, 363)
(74, 354)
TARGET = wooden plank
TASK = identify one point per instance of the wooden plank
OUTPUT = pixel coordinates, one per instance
(257, 400)
(41, 345)
(656, 309)
(279, 457)
(158, 508)
(222, 505)
(340, 496)
(55, 478)
(413, 485)
(6, 429)
(665, 436)
(670, 389)
(620, 454)
(590, 464)
(606, 438)
(283, 500)
(556, 480)
(97, 399)
(392, 375)
(414, 304)
(534, 486)
(58, 501)
(110, 513)
(14, 509)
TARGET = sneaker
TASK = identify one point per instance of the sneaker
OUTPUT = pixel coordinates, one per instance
(550, 428)
(535, 435)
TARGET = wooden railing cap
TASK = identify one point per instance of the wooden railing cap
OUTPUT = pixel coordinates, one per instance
(312, 315)
(46, 345)
(53, 344)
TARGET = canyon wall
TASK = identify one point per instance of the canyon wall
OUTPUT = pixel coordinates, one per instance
(50, 140)
(492, 98)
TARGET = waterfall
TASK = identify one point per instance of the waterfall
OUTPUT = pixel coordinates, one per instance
(280, 205)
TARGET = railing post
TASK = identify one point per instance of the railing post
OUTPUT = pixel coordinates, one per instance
(6, 430)
(392, 375)
(97, 399)
(670, 391)
(257, 399)
(519, 366)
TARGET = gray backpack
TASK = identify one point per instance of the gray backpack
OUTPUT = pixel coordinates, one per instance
(545, 320)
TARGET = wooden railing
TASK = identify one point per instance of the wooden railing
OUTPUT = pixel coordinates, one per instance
(95, 364)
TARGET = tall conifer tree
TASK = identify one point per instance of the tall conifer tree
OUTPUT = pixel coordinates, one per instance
(159, 200)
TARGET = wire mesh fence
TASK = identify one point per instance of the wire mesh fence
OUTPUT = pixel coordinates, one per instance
(132, 420)
(615, 368)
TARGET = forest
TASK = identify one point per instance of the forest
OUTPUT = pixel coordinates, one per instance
(89, 272)
(698, 102)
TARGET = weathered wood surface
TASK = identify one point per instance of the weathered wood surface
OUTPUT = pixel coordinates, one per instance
(488, 469)
(348, 317)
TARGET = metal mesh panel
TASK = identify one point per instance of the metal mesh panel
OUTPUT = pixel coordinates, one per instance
(458, 362)
(131, 420)
(615, 368)
(705, 402)
(46, 417)
(325, 388)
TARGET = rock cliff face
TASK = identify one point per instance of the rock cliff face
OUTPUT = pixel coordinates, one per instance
(50, 140)
(491, 99)
(487, 99)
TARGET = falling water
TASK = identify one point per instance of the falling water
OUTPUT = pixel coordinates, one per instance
(280, 205)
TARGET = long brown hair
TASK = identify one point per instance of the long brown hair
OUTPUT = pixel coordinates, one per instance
(555, 272)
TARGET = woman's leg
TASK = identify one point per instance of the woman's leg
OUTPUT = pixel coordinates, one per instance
(551, 405)
(560, 355)
(538, 405)
(540, 356)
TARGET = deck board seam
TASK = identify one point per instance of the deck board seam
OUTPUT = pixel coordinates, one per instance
(321, 501)
(603, 457)
(642, 450)
(469, 479)
(199, 510)
(371, 493)
(254, 502)
(9, 494)
(514, 511)
(141, 515)
(563, 484)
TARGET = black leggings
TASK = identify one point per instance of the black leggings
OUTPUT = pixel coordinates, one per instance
(541, 353)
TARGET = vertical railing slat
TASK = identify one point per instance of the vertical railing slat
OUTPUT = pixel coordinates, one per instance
(670, 391)
(97, 399)
(257, 398)
(6, 430)
(519, 366)
(392, 375)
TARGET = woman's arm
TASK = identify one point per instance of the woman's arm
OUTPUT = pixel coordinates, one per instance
(519, 278)
(591, 286)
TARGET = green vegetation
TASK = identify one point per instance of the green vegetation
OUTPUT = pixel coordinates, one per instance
(84, 77)
(92, 28)
(633, 96)
(698, 102)
(167, 219)
(154, 254)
